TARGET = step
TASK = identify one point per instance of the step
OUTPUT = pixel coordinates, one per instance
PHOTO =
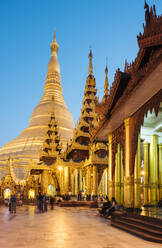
(137, 233)
(149, 219)
(143, 222)
(137, 226)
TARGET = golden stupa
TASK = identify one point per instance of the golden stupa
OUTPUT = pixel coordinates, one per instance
(29, 142)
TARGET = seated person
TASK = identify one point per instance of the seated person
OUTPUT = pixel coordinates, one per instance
(114, 206)
(106, 205)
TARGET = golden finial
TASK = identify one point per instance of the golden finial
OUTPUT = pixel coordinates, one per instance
(54, 38)
(54, 45)
(106, 90)
(90, 62)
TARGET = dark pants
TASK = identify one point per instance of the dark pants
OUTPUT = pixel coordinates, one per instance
(45, 207)
(40, 205)
(111, 210)
(52, 206)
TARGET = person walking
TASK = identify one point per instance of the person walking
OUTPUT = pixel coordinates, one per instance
(45, 200)
(52, 199)
(12, 204)
(40, 202)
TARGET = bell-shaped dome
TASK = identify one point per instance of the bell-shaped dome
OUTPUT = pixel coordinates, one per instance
(53, 65)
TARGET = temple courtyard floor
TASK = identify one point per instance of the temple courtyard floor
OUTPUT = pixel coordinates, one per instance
(63, 228)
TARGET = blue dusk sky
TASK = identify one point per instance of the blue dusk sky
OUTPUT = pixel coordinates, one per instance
(110, 27)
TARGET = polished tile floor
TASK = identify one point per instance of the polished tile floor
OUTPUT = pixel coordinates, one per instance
(63, 228)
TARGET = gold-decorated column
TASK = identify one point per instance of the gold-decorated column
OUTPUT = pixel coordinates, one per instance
(76, 182)
(110, 178)
(105, 182)
(72, 175)
(128, 180)
(66, 180)
(62, 181)
(118, 175)
(146, 175)
(153, 171)
(44, 181)
(88, 180)
(80, 180)
(160, 171)
(122, 179)
(95, 180)
(137, 177)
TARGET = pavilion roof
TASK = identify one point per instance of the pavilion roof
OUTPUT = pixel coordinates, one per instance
(148, 58)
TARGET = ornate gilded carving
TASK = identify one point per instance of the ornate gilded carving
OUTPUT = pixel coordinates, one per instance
(148, 58)
(152, 29)
(136, 121)
(118, 137)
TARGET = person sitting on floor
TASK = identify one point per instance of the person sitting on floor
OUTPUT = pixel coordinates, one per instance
(114, 206)
(106, 205)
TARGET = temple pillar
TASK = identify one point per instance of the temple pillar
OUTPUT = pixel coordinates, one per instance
(80, 180)
(95, 180)
(102, 184)
(44, 181)
(84, 184)
(153, 183)
(62, 182)
(122, 180)
(105, 182)
(76, 182)
(118, 175)
(88, 180)
(110, 164)
(66, 180)
(128, 180)
(72, 181)
(137, 177)
(160, 171)
(146, 173)
(72, 189)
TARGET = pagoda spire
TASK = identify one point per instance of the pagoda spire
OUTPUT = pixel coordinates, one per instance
(78, 149)
(90, 63)
(106, 90)
(54, 45)
(51, 146)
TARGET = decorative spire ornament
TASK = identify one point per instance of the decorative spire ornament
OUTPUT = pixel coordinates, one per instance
(106, 90)
(90, 63)
(54, 45)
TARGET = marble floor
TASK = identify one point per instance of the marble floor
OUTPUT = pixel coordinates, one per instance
(63, 228)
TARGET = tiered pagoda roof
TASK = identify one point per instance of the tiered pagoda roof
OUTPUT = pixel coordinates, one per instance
(78, 149)
(51, 146)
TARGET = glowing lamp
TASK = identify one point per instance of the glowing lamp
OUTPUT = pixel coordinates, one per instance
(60, 168)
(142, 173)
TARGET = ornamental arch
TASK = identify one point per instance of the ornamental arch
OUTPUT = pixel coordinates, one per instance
(151, 157)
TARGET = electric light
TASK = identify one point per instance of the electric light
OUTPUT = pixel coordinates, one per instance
(7, 193)
(60, 168)
(31, 194)
(142, 173)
